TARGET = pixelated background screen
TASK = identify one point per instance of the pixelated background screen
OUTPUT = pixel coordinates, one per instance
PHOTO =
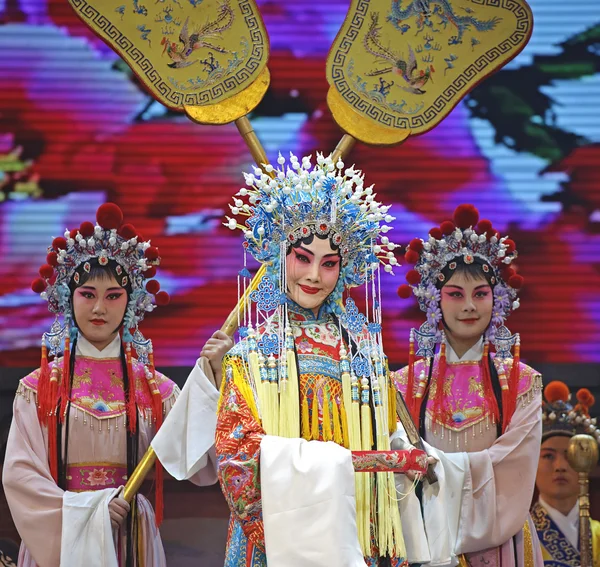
(77, 129)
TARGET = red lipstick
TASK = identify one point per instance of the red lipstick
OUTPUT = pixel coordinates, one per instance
(309, 290)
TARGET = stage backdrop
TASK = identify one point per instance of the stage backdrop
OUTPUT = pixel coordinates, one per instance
(76, 130)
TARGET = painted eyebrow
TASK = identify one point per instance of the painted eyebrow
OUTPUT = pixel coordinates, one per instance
(459, 287)
(92, 288)
(312, 254)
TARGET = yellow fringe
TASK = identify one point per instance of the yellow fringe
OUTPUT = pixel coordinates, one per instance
(366, 430)
(314, 430)
(350, 434)
(337, 427)
(305, 420)
(345, 433)
(289, 409)
(392, 417)
(327, 429)
(242, 385)
(274, 407)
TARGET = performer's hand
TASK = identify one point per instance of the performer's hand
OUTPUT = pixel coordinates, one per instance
(118, 510)
(412, 475)
(215, 349)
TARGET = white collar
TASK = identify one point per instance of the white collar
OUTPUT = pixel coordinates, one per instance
(87, 349)
(568, 525)
(474, 354)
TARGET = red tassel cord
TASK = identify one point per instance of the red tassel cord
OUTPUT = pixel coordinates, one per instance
(510, 394)
(66, 379)
(438, 401)
(44, 396)
(157, 413)
(52, 425)
(411, 399)
(486, 380)
(130, 403)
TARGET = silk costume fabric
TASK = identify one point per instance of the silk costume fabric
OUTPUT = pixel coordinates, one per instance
(558, 550)
(498, 473)
(96, 456)
(239, 441)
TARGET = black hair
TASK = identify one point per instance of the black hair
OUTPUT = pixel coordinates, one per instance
(307, 240)
(478, 268)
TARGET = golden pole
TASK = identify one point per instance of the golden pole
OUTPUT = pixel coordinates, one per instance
(245, 129)
(343, 148)
(582, 455)
(229, 327)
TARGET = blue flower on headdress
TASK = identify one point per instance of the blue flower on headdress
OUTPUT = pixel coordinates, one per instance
(374, 328)
(268, 344)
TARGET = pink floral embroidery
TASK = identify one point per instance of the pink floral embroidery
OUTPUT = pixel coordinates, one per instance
(304, 346)
(98, 477)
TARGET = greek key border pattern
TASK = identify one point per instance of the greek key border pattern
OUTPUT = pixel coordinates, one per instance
(418, 121)
(151, 76)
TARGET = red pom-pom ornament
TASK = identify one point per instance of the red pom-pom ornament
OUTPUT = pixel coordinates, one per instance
(436, 232)
(556, 391)
(46, 271)
(150, 272)
(151, 253)
(510, 246)
(447, 227)
(52, 259)
(59, 243)
(153, 287)
(404, 291)
(416, 244)
(413, 277)
(162, 298)
(484, 227)
(109, 216)
(516, 281)
(127, 231)
(466, 216)
(38, 285)
(73, 233)
(585, 397)
(411, 256)
(86, 229)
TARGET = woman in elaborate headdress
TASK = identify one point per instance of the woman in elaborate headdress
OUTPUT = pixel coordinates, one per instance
(556, 514)
(309, 380)
(82, 420)
(479, 412)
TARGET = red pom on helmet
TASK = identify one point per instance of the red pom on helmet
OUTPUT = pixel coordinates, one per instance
(162, 298)
(507, 272)
(484, 227)
(150, 272)
(416, 244)
(127, 231)
(52, 259)
(447, 227)
(38, 285)
(436, 232)
(413, 277)
(59, 243)
(556, 391)
(585, 398)
(86, 229)
(152, 287)
(73, 233)
(46, 271)
(151, 253)
(510, 246)
(516, 281)
(109, 216)
(466, 216)
(411, 256)
(404, 291)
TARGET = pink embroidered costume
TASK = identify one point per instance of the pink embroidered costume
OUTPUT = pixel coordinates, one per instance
(305, 385)
(479, 414)
(82, 420)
